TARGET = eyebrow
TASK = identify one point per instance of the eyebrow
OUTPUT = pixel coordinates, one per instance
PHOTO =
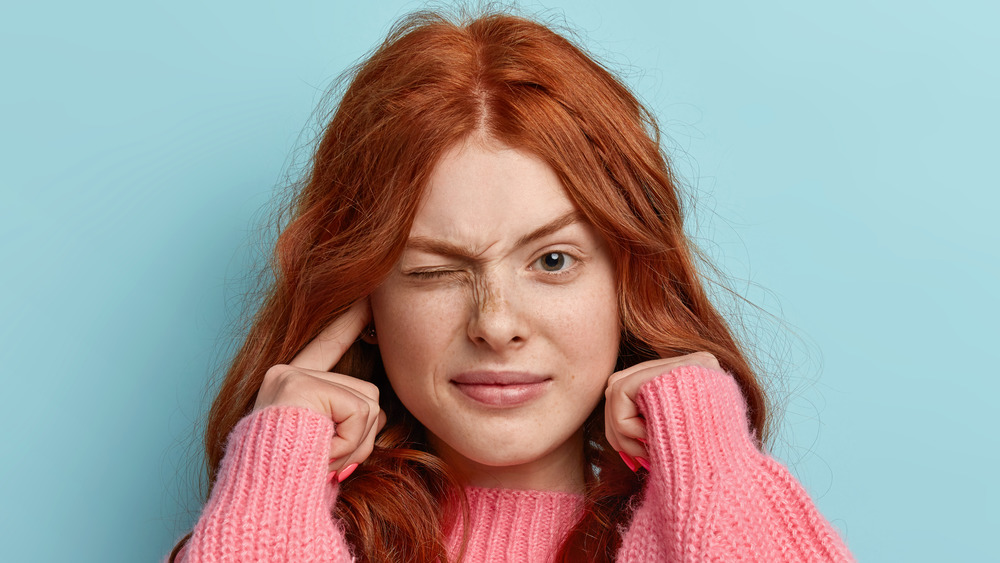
(445, 248)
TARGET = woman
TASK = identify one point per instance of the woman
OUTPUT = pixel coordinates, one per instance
(487, 339)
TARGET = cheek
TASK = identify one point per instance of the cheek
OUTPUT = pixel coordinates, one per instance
(412, 326)
(600, 324)
(584, 323)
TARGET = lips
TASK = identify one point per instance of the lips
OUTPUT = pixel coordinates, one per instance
(502, 389)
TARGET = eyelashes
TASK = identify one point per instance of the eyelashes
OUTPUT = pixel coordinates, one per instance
(551, 264)
(432, 274)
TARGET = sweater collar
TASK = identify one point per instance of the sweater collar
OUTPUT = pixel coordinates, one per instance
(516, 525)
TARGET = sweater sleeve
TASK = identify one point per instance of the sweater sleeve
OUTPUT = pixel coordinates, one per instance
(711, 495)
(272, 500)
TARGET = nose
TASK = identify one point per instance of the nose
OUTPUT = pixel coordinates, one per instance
(497, 320)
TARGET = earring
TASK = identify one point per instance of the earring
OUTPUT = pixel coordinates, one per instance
(370, 333)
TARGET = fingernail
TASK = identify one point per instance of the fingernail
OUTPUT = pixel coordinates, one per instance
(346, 472)
(643, 462)
(640, 439)
(628, 461)
(331, 476)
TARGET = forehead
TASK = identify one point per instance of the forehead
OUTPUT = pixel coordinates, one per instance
(482, 191)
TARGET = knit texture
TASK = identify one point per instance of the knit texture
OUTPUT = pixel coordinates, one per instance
(271, 500)
(710, 496)
(510, 525)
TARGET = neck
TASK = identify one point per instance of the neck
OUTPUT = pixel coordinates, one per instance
(559, 470)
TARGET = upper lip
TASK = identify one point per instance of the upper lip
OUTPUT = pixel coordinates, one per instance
(499, 378)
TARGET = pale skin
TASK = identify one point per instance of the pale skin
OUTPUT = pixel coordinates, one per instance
(351, 403)
(533, 293)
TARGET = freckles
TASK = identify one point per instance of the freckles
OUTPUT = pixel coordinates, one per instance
(587, 321)
(432, 319)
(580, 317)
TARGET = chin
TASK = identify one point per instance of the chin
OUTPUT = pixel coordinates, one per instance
(504, 459)
(530, 449)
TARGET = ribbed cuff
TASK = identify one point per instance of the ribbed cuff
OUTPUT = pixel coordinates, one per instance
(696, 424)
(271, 495)
(711, 495)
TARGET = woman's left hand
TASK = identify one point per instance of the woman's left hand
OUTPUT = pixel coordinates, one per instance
(623, 424)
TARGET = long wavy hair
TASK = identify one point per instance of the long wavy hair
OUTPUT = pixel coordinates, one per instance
(432, 83)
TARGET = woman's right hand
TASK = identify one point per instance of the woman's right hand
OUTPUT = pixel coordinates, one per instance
(350, 402)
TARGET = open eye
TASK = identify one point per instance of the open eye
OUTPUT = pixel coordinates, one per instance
(554, 262)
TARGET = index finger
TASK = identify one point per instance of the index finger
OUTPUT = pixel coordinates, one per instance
(324, 351)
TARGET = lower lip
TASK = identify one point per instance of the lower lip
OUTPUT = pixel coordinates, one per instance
(503, 395)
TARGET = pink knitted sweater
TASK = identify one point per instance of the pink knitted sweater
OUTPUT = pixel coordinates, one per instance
(711, 494)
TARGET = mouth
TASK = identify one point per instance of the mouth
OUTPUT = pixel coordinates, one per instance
(501, 389)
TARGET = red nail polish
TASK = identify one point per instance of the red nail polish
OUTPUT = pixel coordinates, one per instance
(642, 441)
(346, 472)
(643, 462)
(628, 461)
(331, 476)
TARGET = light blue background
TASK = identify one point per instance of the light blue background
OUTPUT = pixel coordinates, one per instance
(842, 155)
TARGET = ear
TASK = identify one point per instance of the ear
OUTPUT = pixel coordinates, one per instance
(369, 335)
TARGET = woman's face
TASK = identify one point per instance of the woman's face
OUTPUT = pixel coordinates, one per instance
(498, 327)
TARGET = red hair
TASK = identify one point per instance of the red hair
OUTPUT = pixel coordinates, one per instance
(431, 84)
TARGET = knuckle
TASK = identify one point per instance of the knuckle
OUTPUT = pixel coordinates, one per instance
(616, 379)
(372, 390)
(275, 382)
(365, 449)
(288, 381)
(275, 372)
(363, 407)
(705, 356)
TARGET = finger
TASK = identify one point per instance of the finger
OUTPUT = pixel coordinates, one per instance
(624, 424)
(627, 435)
(619, 375)
(364, 390)
(629, 448)
(359, 386)
(609, 427)
(701, 359)
(352, 430)
(611, 398)
(622, 408)
(324, 351)
(347, 449)
(631, 429)
(357, 427)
